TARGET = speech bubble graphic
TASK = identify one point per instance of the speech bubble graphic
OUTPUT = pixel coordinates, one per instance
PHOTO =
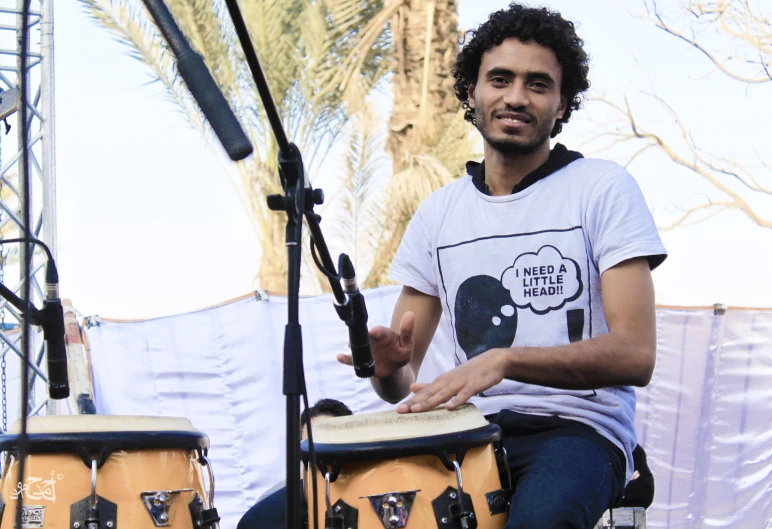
(543, 281)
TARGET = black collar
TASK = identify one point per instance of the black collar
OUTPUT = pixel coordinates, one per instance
(559, 158)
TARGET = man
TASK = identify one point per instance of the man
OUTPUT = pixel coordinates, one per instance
(539, 262)
(270, 510)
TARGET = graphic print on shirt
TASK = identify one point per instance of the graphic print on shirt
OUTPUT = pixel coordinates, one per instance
(526, 289)
(543, 281)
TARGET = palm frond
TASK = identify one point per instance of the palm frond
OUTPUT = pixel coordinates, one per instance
(321, 58)
(358, 207)
(130, 26)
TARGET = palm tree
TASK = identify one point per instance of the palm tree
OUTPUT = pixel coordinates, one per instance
(304, 47)
(322, 58)
(428, 139)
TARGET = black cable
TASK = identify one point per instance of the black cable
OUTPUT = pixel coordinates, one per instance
(26, 216)
(33, 240)
(330, 275)
(312, 463)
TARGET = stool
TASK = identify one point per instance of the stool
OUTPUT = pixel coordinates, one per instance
(623, 518)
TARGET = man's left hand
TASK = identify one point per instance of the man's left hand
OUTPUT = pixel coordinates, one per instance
(456, 386)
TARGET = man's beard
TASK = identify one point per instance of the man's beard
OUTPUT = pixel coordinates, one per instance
(512, 145)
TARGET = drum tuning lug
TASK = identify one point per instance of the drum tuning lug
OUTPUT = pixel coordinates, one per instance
(393, 508)
(454, 510)
(161, 505)
(210, 518)
(87, 513)
(341, 516)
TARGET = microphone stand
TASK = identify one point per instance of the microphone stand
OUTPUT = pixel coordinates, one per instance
(297, 202)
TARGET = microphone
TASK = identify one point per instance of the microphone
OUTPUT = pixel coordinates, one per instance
(199, 81)
(358, 334)
(53, 333)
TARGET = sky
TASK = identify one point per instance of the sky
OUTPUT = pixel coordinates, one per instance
(150, 222)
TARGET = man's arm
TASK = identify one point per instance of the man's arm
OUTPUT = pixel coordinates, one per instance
(399, 351)
(623, 356)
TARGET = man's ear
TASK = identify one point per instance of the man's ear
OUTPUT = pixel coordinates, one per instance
(470, 99)
(563, 106)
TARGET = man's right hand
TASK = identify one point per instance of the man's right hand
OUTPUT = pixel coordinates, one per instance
(391, 349)
(399, 350)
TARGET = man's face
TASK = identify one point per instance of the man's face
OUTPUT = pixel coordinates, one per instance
(517, 99)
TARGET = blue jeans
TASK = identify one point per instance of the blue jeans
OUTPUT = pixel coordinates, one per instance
(271, 512)
(565, 474)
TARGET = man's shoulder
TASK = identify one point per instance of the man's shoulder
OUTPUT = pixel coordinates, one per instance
(459, 185)
(440, 199)
(590, 176)
(594, 167)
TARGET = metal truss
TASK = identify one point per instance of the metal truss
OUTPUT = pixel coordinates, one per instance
(42, 199)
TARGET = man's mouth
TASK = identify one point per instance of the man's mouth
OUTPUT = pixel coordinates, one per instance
(514, 118)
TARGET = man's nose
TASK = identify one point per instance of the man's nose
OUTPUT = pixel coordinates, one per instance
(516, 95)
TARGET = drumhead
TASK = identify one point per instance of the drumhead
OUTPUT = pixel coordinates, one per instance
(104, 434)
(392, 426)
(102, 423)
(374, 436)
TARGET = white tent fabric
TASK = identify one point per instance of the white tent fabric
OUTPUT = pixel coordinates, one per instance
(704, 420)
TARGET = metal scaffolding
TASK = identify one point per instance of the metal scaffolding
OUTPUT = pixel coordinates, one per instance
(41, 154)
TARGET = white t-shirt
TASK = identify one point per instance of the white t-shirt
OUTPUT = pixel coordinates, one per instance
(524, 270)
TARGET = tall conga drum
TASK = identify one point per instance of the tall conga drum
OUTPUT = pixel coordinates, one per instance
(440, 469)
(118, 472)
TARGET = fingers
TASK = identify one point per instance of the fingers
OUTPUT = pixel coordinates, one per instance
(380, 333)
(429, 396)
(456, 401)
(345, 359)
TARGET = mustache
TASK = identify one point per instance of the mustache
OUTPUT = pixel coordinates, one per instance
(520, 112)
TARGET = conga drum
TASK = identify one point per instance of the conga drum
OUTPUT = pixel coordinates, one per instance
(106, 471)
(440, 469)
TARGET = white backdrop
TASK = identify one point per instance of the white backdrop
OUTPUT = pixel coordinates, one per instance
(705, 420)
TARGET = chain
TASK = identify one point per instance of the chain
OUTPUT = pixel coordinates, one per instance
(2, 312)
(2, 324)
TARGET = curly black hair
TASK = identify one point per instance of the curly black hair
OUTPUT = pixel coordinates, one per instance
(331, 407)
(541, 25)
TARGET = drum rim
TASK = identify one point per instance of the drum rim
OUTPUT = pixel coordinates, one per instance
(434, 445)
(104, 442)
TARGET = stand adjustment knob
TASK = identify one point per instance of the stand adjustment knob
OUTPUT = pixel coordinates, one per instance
(318, 197)
(276, 202)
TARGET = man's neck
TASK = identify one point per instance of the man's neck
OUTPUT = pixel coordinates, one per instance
(504, 171)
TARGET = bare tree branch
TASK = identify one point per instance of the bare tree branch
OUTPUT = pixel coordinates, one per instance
(748, 29)
(719, 172)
